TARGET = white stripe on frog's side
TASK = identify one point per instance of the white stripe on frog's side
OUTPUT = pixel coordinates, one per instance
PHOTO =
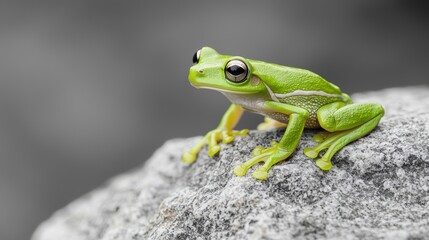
(307, 93)
(272, 94)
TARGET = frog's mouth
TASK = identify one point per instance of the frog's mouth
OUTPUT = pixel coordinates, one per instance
(222, 90)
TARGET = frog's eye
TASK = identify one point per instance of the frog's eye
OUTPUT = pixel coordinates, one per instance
(236, 71)
(196, 57)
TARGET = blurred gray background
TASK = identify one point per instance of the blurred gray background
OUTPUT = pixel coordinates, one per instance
(89, 89)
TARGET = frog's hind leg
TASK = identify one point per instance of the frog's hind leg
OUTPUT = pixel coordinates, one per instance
(270, 123)
(352, 121)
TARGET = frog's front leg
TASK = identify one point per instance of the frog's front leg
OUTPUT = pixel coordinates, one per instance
(222, 133)
(278, 151)
(346, 123)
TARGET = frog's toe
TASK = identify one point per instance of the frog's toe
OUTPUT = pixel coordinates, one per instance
(320, 137)
(262, 126)
(227, 136)
(243, 132)
(260, 174)
(213, 150)
(240, 170)
(261, 150)
(311, 153)
(257, 151)
(227, 139)
(270, 124)
(189, 157)
(324, 164)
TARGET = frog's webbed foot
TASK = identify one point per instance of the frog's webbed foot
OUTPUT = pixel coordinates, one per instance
(212, 139)
(326, 140)
(270, 123)
(269, 156)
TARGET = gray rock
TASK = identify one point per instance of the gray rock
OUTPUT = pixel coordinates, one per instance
(378, 188)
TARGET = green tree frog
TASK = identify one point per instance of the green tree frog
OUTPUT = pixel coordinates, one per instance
(288, 97)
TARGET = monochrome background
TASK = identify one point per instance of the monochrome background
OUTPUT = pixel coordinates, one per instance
(89, 89)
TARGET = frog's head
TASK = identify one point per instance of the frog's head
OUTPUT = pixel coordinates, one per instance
(232, 74)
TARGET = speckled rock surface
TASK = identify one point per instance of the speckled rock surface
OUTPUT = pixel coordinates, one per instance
(378, 188)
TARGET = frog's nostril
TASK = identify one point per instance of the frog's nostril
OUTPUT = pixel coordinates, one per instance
(195, 73)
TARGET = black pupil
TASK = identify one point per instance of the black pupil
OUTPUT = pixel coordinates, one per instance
(235, 70)
(195, 58)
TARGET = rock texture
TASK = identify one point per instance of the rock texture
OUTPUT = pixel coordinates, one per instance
(378, 188)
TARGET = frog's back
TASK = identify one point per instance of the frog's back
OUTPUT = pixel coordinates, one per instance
(301, 88)
(284, 79)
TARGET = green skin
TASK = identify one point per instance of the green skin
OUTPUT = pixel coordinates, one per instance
(291, 97)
